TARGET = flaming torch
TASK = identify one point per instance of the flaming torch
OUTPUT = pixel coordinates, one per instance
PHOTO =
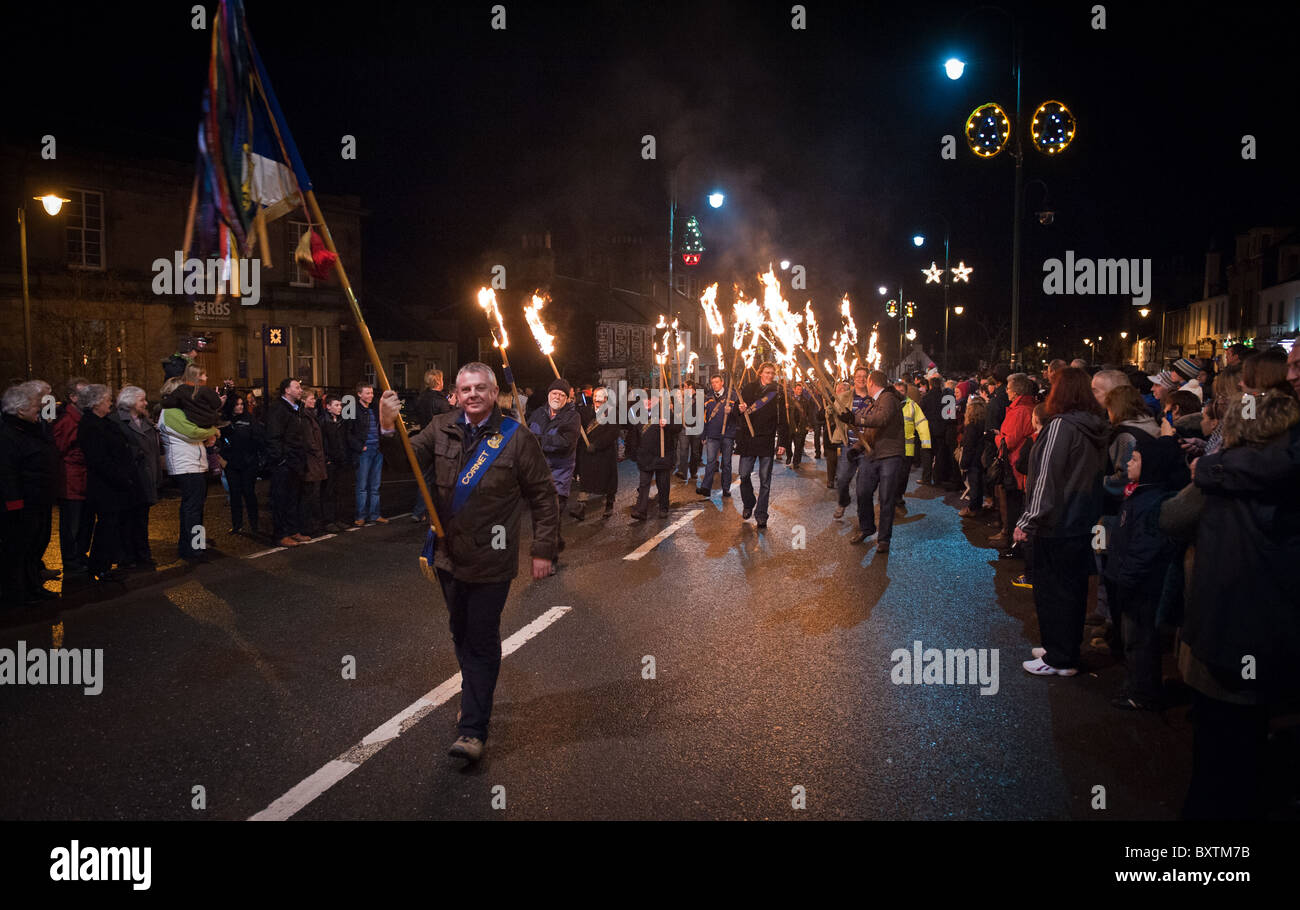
(546, 341)
(487, 299)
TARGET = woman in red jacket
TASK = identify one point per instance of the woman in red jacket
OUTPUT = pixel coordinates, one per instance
(1017, 428)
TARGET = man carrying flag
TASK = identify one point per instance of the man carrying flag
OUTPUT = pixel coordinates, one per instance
(760, 402)
(484, 464)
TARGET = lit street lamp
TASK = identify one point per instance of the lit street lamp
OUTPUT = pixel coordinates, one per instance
(52, 205)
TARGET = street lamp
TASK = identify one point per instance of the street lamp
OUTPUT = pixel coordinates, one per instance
(785, 264)
(962, 273)
(954, 68)
(716, 199)
(52, 205)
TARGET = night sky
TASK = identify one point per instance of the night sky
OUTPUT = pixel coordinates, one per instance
(825, 140)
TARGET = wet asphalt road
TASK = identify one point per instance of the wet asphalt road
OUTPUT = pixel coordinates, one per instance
(772, 680)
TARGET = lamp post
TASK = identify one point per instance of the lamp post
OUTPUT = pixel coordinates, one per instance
(962, 273)
(715, 200)
(52, 205)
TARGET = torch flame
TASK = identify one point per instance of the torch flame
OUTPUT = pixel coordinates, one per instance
(814, 342)
(708, 302)
(533, 313)
(487, 299)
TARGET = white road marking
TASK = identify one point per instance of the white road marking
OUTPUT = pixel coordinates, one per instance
(265, 552)
(336, 769)
(662, 535)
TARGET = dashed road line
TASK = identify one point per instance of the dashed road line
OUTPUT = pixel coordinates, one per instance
(336, 769)
(663, 535)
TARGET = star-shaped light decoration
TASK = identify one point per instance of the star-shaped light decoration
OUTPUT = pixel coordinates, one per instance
(933, 274)
(961, 272)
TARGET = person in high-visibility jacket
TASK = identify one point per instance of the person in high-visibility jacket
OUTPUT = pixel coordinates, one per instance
(914, 425)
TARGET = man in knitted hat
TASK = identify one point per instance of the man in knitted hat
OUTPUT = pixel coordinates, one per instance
(1187, 369)
(556, 426)
(1163, 384)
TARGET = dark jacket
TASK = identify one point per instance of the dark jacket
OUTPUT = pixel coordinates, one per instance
(1063, 497)
(518, 475)
(771, 429)
(997, 409)
(111, 480)
(598, 461)
(715, 412)
(286, 443)
(559, 438)
(314, 468)
(241, 443)
(146, 447)
(429, 405)
(1138, 552)
(643, 440)
(359, 426)
(881, 424)
(334, 440)
(29, 464)
(1242, 599)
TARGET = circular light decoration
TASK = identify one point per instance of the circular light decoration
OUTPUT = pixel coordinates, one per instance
(1052, 128)
(987, 130)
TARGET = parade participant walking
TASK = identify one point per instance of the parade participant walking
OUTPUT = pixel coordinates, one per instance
(759, 402)
(719, 408)
(880, 425)
(802, 417)
(364, 439)
(851, 454)
(835, 439)
(597, 458)
(1062, 505)
(555, 424)
(654, 444)
(690, 446)
(484, 465)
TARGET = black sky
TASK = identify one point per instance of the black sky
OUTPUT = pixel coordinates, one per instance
(826, 140)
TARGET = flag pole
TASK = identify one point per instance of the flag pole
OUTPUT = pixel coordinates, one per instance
(373, 354)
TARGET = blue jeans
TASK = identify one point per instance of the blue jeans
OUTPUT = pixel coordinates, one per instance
(887, 474)
(721, 445)
(370, 465)
(844, 472)
(759, 505)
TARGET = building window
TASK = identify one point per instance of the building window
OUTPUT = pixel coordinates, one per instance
(368, 374)
(300, 277)
(398, 376)
(85, 229)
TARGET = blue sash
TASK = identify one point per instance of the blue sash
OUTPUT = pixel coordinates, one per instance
(486, 452)
(764, 400)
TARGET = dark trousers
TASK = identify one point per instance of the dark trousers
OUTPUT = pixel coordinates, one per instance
(136, 539)
(285, 495)
(1061, 569)
(908, 462)
(887, 475)
(194, 489)
(975, 477)
(717, 457)
(1228, 764)
(111, 529)
(74, 532)
(336, 492)
(1015, 507)
(832, 463)
(1141, 641)
(474, 610)
(943, 446)
(662, 479)
(20, 555)
(794, 454)
(243, 494)
(309, 511)
(819, 439)
(689, 454)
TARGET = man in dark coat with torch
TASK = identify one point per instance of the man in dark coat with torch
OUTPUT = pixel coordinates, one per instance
(762, 428)
(485, 466)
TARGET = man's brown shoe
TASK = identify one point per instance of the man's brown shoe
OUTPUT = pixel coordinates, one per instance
(999, 541)
(301, 538)
(381, 521)
(288, 542)
(359, 523)
(468, 747)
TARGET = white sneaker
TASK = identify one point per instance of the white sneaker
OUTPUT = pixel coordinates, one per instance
(1038, 652)
(1040, 668)
(839, 513)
